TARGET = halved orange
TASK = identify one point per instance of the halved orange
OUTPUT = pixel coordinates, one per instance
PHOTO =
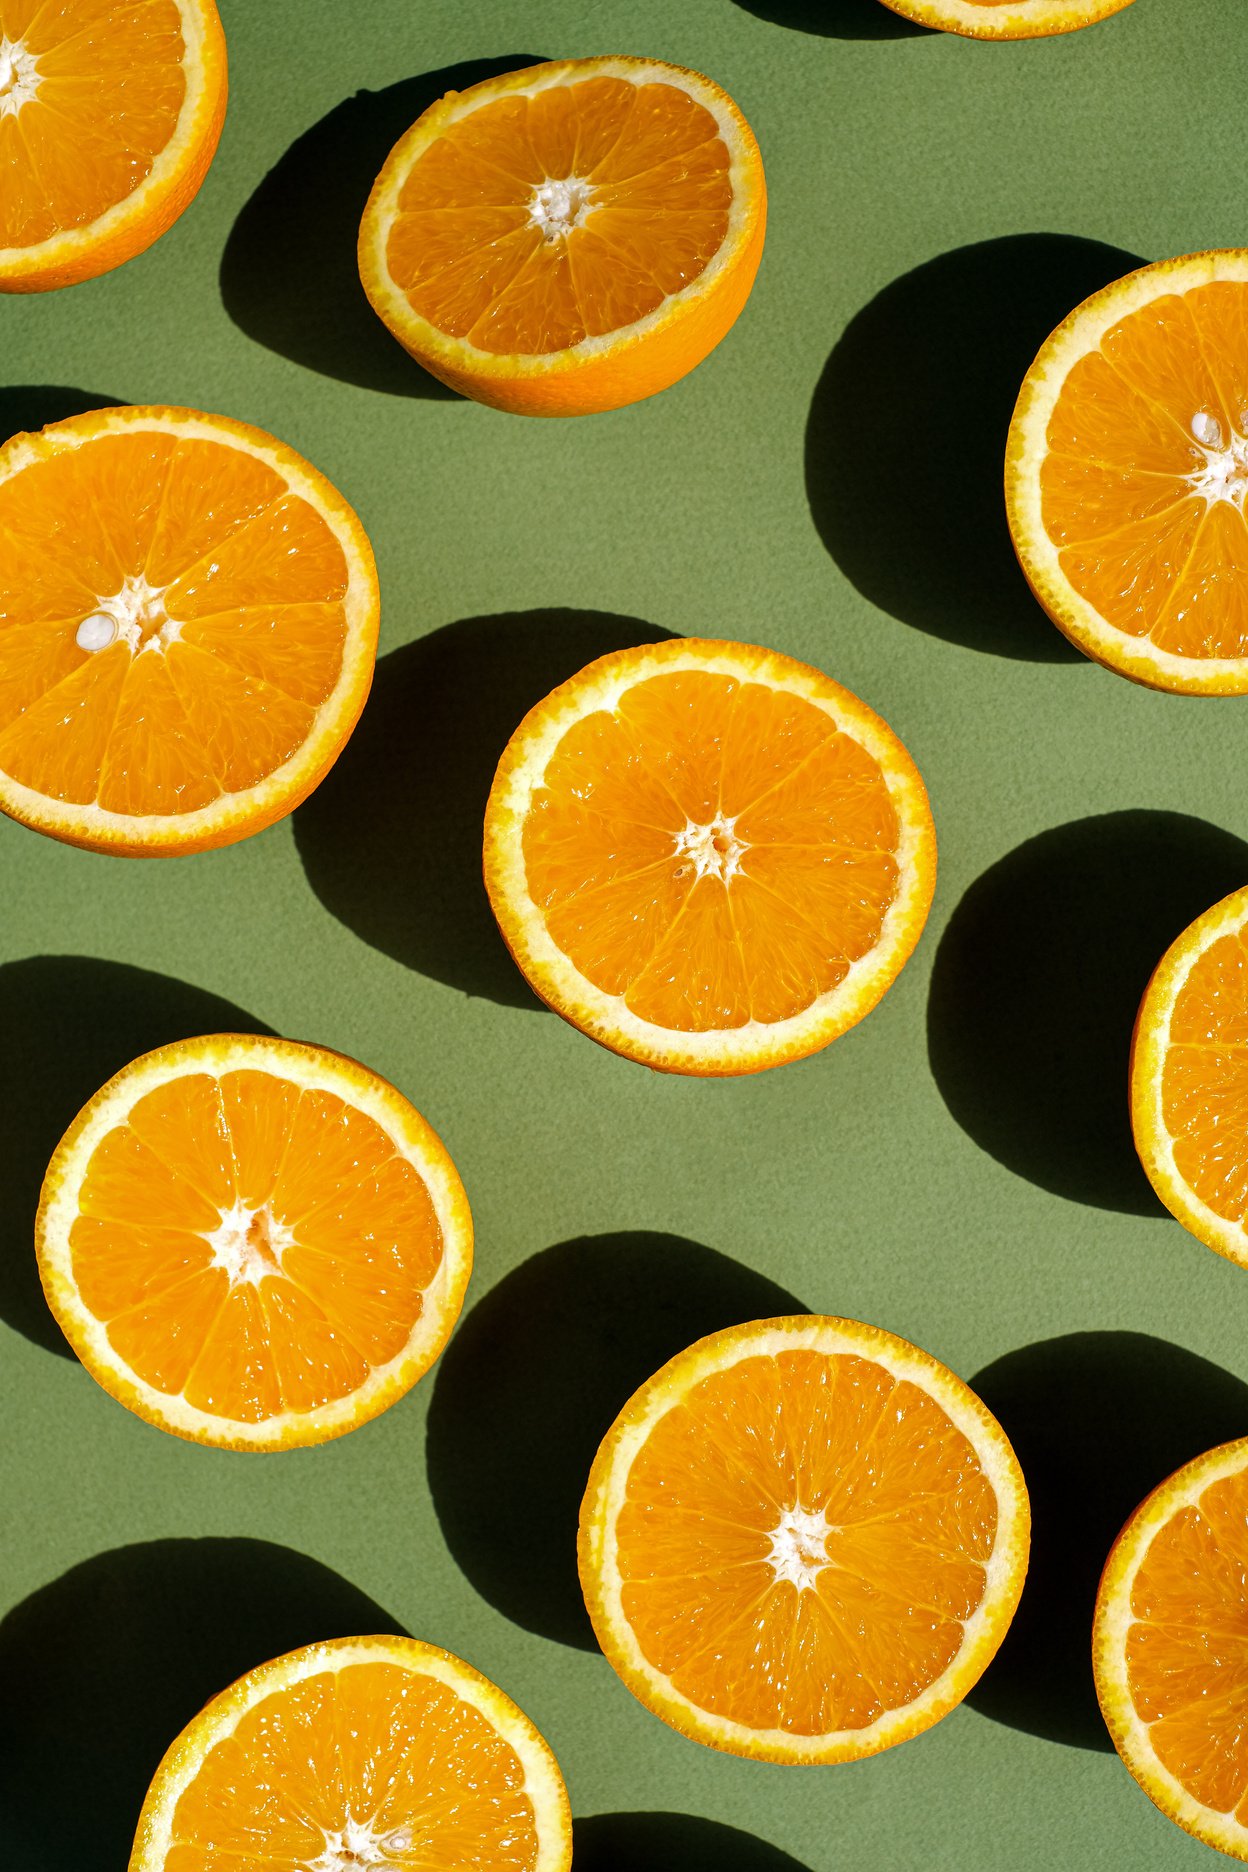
(1189, 1078)
(570, 237)
(253, 1243)
(707, 856)
(1169, 1649)
(188, 626)
(803, 1540)
(1007, 19)
(1126, 473)
(110, 113)
(359, 1753)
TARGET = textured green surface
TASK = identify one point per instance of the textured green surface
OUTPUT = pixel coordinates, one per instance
(956, 1169)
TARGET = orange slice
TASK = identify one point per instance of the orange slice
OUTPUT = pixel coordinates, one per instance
(188, 625)
(361, 1753)
(803, 1540)
(1126, 474)
(253, 1243)
(567, 238)
(110, 112)
(1007, 19)
(707, 856)
(1169, 1652)
(1189, 1078)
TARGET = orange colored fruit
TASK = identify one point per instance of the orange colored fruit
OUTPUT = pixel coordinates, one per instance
(188, 625)
(1189, 1078)
(1007, 19)
(253, 1243)
(110, 113)
(570, 237)
(1126, 472)
(707, 856)
(1168, 1647)
(360, 1753)
(803, 1540)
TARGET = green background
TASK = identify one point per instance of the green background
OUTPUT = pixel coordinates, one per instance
(957, 1169)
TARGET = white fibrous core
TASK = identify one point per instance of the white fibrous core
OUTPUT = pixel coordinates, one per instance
(136, 614)
(249, 1244)
(1223, 475)
(799, 1547)
(713, 849)
(19, 76)
(357, 1848)
(558, 207)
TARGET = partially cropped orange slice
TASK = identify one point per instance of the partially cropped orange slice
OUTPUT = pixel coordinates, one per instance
(1127, 470)
(360, 1755)
(803, 1540)
(253, 1243)
(1170, 1647)
(1189, 1078)
(1007, 19)
(709, 857)
(188, 626)
(570, 237)
(110, 112)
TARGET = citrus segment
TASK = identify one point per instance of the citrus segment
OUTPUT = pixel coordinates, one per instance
(569, 237)
(1189, 1078)
(380, 1752)
(1007, 19)
(1168, 1647)
(708, 856)
(110, 113)
(1127, 470)
(188, 621)
(803, 1540)
(253, 1243)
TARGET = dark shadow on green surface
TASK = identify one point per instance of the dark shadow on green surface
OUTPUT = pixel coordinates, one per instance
(1097, 1420)
(69, 1023)
(1036, 983)
(391, 840)
(534, 1377)
(289, 274)
(668, 1842)
(838, 19)
(33, 406)
(101, 1669)
(905, 445)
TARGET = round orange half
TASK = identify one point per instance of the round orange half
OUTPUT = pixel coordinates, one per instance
(567, 238)
(188, 626)
(1168, 1647)
(803, 1540)
(707, 856)
(359, 1753)
(110, 114)
(1126, 473)
(1007, 19)
(253, 1243)
(1189, 1078)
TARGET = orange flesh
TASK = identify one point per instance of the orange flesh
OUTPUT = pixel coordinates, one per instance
(332, 1240)
(811, 851)
(1137, 539)
(1204, 1084)
(110, 88)
(650, 209)
(398, 1753)
(913, 1519)
(240, 648)
(1187, 1652)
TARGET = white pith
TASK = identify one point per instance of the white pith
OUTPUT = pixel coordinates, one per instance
(355, 1847)
(560, 205)
(608, 1492)
(249, 1244)
(157, 1838)
(1114, 1619)
(19, 76)
(309, 1068)
(1223, 475)
(799, 1551)
(714, 848)
(139, 618)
